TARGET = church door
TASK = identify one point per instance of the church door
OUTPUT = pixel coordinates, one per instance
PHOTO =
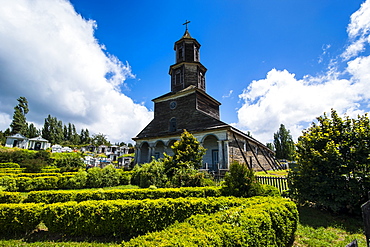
(215, 159)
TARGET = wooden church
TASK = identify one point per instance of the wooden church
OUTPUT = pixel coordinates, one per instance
(189, 107)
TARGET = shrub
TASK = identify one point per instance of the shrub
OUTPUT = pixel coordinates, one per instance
(19, 218)
(9, 165)
(110, 176)
(94, 177)
(10, 197)
(133, 194)
(130, 218)
(152, 173)
(259, 222)
(186, 177)
(240, 181)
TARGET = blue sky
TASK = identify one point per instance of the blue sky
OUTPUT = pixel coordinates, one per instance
(269, 62)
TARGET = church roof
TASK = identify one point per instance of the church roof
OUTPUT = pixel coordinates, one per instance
(182, 92)
(187, 35)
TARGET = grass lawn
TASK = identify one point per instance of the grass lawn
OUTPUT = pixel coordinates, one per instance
(321, 229)
(271, 173)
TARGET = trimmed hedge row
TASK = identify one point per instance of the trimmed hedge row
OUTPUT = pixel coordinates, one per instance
(127, 217)
(19, 218)
(131, 218)
(128, 194)
(50, 196)
(259, 222)
(102, 218)
(10, 197)
(9, 165)
(93, 178)
(54, 196)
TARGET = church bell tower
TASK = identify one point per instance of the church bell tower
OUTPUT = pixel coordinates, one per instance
(187, 70)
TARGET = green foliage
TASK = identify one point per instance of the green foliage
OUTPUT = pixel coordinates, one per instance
(240, 181)
(10, 197)
(259, 222)
(131, 218)
(68, 161)
(19, 218)
(110, 176)
(188, 154)
(19, 123)
(16, 155)
(40, 160)
(152, 173)
(126, 194)
(9, 165)
(187, 177)
(333, 163)
(94, 177)
(283, 144)
(99, 139)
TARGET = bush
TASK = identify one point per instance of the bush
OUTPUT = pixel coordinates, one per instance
(186, 177)
(110, 176)
(19, 218)
(9, 165)
(240, 181)
(94, 177)
(333, 164)
(129, 218)
(10, 197)
(259, 222)
(152, 173)
(133, 194)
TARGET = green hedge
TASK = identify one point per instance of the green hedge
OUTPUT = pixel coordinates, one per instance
(53, 196)
(10, 197)
(106, 177)
(132, 218)
(19, 218)
(127, 217)
(9, 165)
(259, 222)
(129, 194)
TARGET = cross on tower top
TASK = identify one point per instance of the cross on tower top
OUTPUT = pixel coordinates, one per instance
(186, 24)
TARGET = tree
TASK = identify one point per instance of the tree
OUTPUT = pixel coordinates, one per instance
(19, 123)
(32, 131)
(270, 146)
(100, 139)
(188, 153)
(283, 143)
(53, 130)
(333, 163)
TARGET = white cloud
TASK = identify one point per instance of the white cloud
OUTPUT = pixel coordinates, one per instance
(49, 54)
(282, 98)
(358, 31)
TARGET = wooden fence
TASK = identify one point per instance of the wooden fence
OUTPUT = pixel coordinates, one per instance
(278, 182)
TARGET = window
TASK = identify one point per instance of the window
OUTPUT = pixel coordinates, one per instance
(196, 54)
(173, 125)
(180, 53)
(178, 77)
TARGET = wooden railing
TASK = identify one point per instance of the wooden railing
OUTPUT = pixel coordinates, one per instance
(279, 182)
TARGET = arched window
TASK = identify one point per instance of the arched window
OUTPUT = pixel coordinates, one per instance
(173, 125)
